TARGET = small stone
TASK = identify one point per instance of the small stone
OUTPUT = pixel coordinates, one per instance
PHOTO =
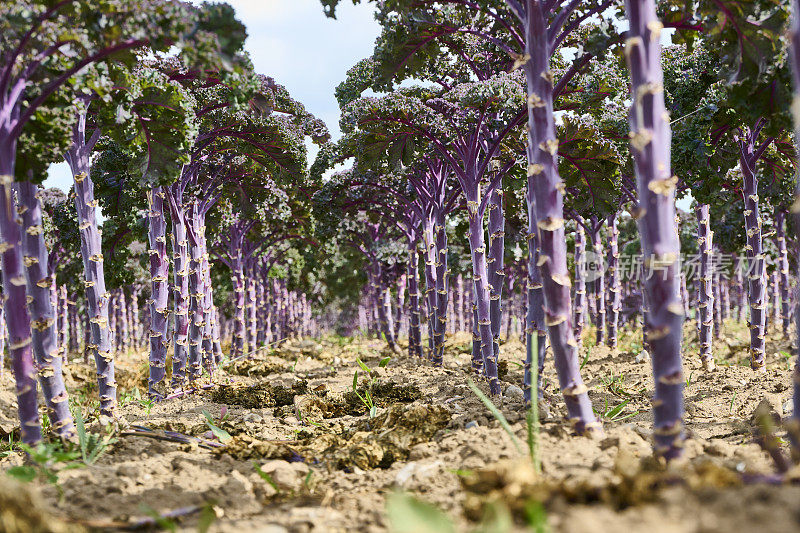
(471, 424)
(788, 407)
(287, 476)
(252, 418)
(415, 472)
(512, 391)
(643, 357)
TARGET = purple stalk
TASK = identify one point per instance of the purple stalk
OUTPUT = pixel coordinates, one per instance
(717, 305)
(180, 280)
(261, 307)
(756, 293)
(16, 312)
(87, 333)
(477, 356)
(615, 288)
(442, 289)
(429, 240)
(252, 322)
(580, 280)
(706, 304)
(208, 332)
(124, 332)
(195, 322)
(238, 317)
(495, 264)
(783, 266)
(480, 278)
(545, 205)
(460, 304)
(599, 284)
(63, 323)
(72, 312)
(535, 323)
(43, 317)
(385, 315)
(112, 319)
(399, 315)
(53, 293)
(159, 302)
(414, 335)
(217, 337)
(776, 299)
(97, 298)
(650, 144)
(726, 299)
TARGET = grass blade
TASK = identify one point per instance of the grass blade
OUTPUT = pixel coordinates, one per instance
(496, 413)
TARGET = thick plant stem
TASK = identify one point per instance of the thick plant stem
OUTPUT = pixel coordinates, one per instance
(442, 289)
(534, 319)
(546, 207)
(414, 336)
(756, 293)
(64, 339)
(717, 306)
(238, 317)
(776, 299)
(495, 264)
(16, 312)
(459, 303)
(387, 317)
(429, 241)
(195, 310)
(159, 300)
(261, 308)
(480, 279)
(615, 287)
(252, 321)
(209, 332)
(123, 338)
(43, 317)
(477, 356)
(706, 301)
(599, 284)
(72, 313)
(783, 266)
(650, 145)
(94, 277)
(580, 280)
(180, 289)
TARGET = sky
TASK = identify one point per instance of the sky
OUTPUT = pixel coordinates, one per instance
(295, 43)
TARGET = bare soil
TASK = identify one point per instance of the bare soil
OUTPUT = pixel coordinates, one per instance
(326, 465)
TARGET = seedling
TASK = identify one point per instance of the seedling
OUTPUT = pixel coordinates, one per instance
(221, 435)
(367, 399)
(613, 413)
(92, 445)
